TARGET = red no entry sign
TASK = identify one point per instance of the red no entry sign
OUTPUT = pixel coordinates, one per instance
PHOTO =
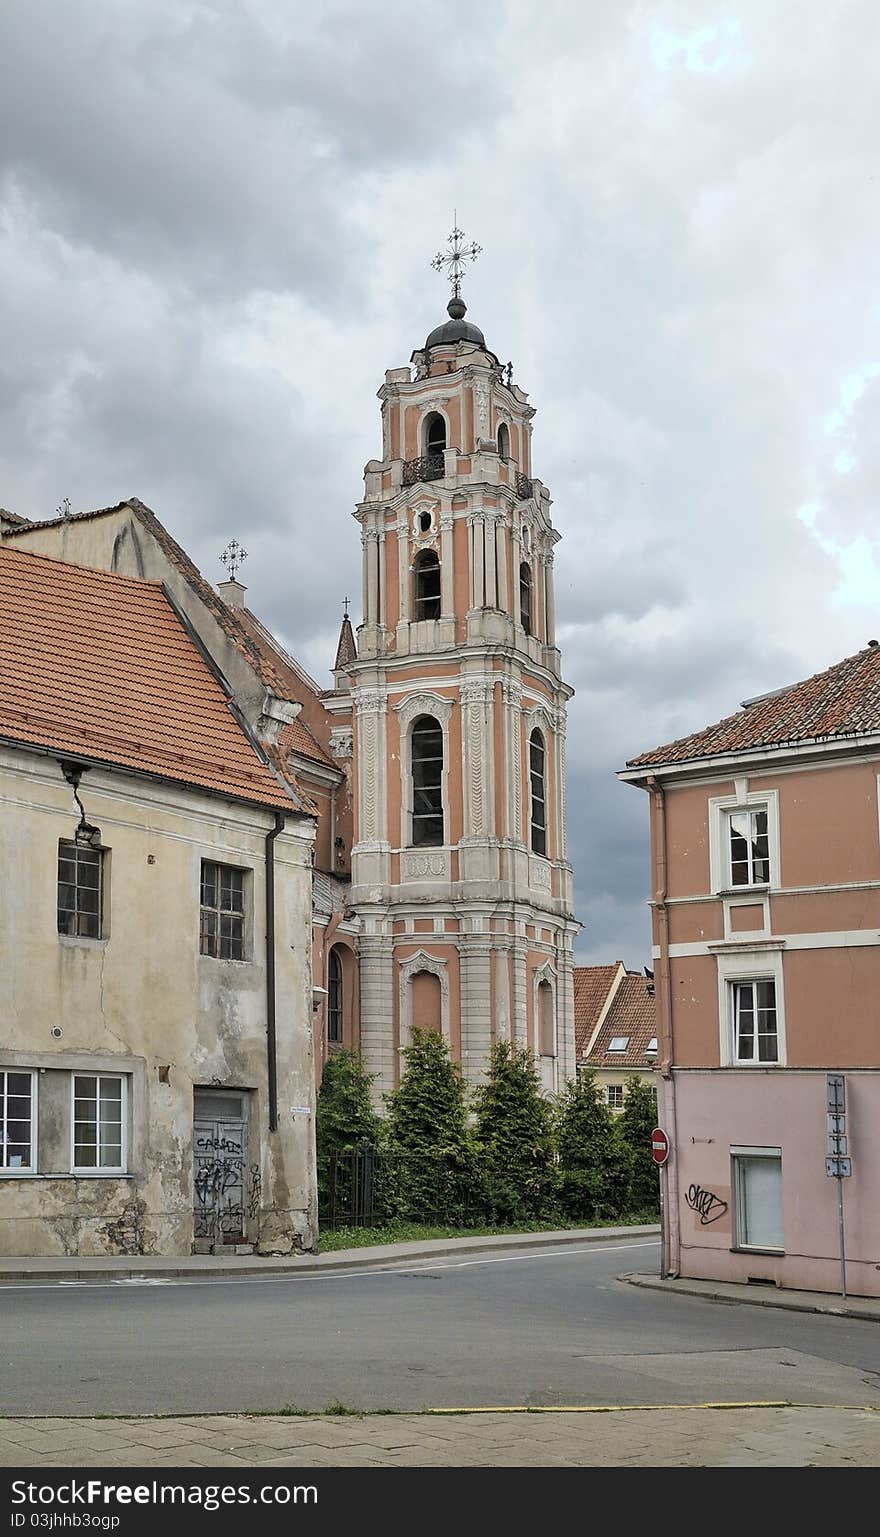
(659, 1145)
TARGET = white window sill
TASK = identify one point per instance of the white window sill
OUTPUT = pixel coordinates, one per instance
(84, 1174)
(84, 940)
(225, 960)
(747, 1248)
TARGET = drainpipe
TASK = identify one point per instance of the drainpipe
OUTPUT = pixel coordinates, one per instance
(271, 1058)
(670, 1237)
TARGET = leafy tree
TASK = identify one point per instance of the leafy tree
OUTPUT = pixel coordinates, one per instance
(514, 1135)
(635, 1124)
(344, 1115)
(594, 1160)
(428, 1136)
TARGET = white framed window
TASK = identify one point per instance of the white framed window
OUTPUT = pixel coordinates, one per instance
(614, 1096)
(757, 1194)
(751, 1007)
(18, 1122)
(748, 847)
(651, 1048)
(99, 1123)
(744, 841)
(754, 1021)
(618, 1043)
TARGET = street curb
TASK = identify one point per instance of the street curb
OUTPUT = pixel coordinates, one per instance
(43, 1269)
(734, 1294)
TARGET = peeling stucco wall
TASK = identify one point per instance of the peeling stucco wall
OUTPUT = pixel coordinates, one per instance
(143, 1002)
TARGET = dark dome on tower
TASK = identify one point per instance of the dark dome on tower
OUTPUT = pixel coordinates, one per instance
(456, 328)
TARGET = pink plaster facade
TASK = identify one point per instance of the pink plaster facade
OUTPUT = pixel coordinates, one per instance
(813, 930)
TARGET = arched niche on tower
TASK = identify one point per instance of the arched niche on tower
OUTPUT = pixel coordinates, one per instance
(408, 970)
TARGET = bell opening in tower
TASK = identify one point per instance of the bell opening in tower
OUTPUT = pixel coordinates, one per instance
(426, 574)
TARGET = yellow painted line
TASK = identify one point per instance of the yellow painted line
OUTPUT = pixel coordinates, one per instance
(761, 1403)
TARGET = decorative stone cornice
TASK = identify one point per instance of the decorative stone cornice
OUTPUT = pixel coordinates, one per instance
(370, 701)
(425, 703)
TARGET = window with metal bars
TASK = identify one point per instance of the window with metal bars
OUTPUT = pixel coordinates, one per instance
(426, 758)
(222, 912)
(17, 1121)
(99, 1111)
(334, 998)
(80, 890)
(426, 585)
(435, 434)
(537, 775)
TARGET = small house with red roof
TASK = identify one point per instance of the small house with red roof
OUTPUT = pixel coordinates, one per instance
(615, 1027)
(157, 1082)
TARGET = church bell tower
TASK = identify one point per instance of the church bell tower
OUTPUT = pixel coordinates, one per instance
(460, 877)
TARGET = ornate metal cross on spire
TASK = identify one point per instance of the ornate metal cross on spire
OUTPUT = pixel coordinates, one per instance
(454, 258)
(232, 558)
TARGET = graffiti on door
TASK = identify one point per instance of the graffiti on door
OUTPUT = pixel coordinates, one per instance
(220, 1172)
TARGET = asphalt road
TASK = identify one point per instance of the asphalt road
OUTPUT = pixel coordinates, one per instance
(549, 1328)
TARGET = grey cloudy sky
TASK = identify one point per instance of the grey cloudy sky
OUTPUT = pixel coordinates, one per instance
(216, 220)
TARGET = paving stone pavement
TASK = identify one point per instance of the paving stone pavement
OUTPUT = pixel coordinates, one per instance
(656, 1437)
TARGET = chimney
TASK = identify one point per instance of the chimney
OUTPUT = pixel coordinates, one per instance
(232, 593)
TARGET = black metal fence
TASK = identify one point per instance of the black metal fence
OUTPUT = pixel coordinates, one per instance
(370, 1187)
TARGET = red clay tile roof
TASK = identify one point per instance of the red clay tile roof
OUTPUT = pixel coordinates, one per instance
(842, 702)
(592, 985)
(12, 518)
(268, 659)
(633, 1013)
(100, 666)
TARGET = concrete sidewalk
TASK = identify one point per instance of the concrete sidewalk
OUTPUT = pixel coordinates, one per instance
(753, 1436)
(762, 1296)
(128, 1267)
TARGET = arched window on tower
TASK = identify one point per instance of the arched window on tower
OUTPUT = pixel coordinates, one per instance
(334, 998)
(503, 441)
(435, 435)
(538, 780)
(525, 597)
(426, 758)
(426, 585)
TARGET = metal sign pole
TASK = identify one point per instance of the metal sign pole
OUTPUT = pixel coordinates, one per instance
(663, 1267)
(842, 1238)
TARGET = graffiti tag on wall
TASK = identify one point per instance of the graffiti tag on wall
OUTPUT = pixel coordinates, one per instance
(709, 1207)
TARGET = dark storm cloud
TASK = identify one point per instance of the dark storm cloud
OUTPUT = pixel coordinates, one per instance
(215, 229)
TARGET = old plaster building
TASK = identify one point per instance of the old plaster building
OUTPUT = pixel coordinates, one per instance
(156, 1063)
(435, 764)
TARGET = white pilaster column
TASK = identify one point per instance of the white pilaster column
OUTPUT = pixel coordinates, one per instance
(562, 837)
(475, 952)
(403, 573)
(479, 560)
(365, 576)
(550, 600)
(372, 610)
(382, 577)
(491, 586)
(512, 694)
(502, 1008)
(520, 1020)
(477, 768)
(376, 978)
(501, 565)
(517, 562)
(447, 566)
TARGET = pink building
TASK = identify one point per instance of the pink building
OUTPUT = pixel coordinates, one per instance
(765, 845)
